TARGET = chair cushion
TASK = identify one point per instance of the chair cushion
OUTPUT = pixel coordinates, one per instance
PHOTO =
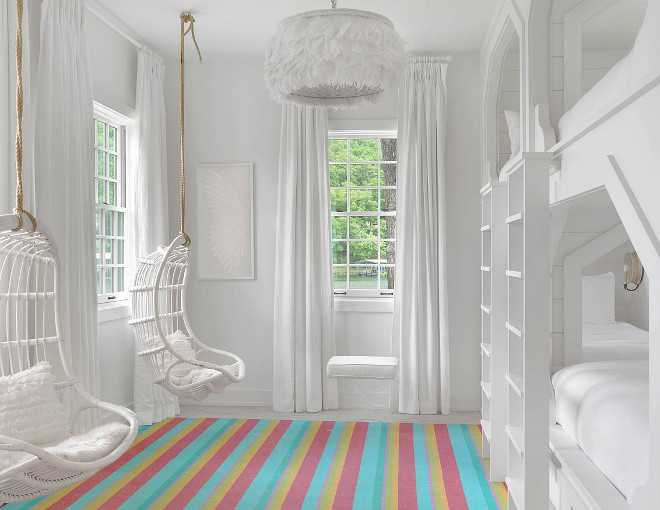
(30, 407)
(363, 367)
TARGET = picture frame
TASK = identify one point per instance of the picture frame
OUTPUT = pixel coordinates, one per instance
(225, 221)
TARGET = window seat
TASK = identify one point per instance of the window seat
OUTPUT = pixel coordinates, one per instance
(363, 367)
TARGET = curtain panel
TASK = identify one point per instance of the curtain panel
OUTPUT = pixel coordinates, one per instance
(304, 301)
(420, 333)
(147, 212)
(63, 156)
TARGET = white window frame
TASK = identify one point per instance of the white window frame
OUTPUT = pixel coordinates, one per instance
(120, 122)
(355, 134)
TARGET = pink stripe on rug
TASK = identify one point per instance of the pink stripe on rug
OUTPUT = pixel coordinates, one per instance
(298, 490)
(407, 482)
(244, 480)
(453, 485)
(349, 475)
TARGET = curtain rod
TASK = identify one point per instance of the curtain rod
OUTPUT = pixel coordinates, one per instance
(100, 12)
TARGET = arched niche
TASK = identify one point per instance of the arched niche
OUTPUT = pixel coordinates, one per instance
(509, 100)
(507, 39)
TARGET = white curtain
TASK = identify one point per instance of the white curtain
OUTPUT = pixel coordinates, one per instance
(147, 206)
(64, 163)
(304, 303)
(8, 109)
(420, 335)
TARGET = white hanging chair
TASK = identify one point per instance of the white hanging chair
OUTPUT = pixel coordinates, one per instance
(163, 334)
(31, 333)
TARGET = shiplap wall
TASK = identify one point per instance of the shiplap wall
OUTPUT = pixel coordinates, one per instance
(556, 71)
(509, 99)
(595, 62)
(588, 218)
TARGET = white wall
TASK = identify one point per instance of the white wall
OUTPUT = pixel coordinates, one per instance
(231, 119)
(113, 61)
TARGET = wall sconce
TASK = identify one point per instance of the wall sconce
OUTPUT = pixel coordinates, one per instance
(633, 272)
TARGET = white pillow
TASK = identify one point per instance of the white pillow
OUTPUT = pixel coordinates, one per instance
(513, 123)
(31, 410)
(598, 299)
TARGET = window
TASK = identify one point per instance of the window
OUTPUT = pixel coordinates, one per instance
(363, 205)
(110, 190)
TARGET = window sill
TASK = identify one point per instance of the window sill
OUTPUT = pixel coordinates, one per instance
(108, 312)
(365, 305)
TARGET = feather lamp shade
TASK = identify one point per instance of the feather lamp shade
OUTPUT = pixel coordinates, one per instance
(334, 58)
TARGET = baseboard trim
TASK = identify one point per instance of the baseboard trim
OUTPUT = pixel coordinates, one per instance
(234, 398)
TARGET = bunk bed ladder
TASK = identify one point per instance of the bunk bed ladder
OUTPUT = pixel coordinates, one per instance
(493, 317)
(528, 332)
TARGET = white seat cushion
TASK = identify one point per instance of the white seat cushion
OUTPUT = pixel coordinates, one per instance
(363, 367)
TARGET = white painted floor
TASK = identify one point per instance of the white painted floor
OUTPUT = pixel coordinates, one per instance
(380, 415)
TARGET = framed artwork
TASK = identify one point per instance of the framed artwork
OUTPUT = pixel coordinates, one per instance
(225, 220)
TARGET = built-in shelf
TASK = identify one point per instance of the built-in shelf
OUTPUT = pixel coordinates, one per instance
(486, 348)
(485, 228)
(515, 328)
(516, 383)
(485, 426)
(485, 269)
(516, 491)
(517, 436)
(514, 274)
(486, 309)
(485, 386)
(514, 218)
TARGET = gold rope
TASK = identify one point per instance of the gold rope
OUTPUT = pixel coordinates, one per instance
(19, 122)
(186, 17)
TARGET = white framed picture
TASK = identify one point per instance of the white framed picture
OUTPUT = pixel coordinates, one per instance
(225, 221)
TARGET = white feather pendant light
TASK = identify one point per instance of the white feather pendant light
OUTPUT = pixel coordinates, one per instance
(334, 58)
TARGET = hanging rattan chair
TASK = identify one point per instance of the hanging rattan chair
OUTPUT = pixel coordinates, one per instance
(163, 334)
(31, 333)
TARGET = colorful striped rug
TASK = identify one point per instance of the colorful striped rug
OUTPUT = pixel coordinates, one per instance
(256, 464)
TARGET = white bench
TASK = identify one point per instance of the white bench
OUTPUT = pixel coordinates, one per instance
(363, 367)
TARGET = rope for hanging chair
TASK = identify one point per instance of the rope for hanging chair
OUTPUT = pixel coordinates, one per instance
(186, 17)
(19, 122)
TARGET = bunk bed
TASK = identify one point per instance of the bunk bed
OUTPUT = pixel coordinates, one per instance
(608, 128)
(604, 408)
(600, 443)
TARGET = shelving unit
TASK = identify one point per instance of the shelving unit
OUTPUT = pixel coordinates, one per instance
(527, 326)
(493, 315)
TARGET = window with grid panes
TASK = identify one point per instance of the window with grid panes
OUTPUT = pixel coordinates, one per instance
(363, 204)
(109, 177)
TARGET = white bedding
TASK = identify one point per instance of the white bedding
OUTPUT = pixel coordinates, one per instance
(622, 79)
(617, 341)
(604, 408)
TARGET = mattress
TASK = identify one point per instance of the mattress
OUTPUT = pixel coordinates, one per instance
(622, 79)
(604, 407)
(618, 341)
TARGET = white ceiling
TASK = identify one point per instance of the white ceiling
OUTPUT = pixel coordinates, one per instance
(241, 28)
